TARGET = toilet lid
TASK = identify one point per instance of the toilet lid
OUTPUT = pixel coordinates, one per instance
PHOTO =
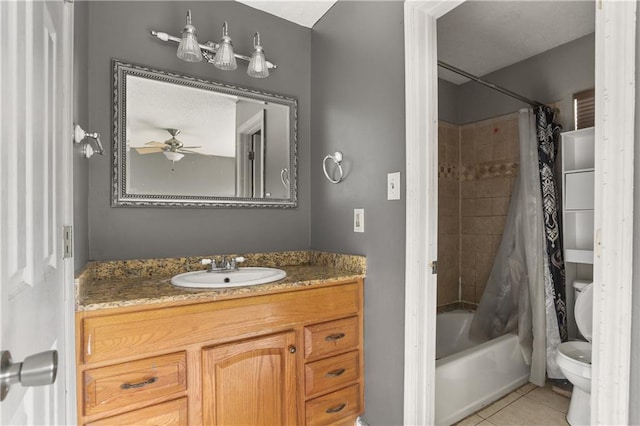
(584, 312)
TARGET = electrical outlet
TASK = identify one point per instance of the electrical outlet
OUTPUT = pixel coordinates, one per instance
(393, 186)
(358, 220)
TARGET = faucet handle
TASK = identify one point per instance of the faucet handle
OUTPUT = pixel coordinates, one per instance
(235, 261)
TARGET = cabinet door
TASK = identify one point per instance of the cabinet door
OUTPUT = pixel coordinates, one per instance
(251, 382)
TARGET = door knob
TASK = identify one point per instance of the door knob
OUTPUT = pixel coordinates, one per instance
(36, 370)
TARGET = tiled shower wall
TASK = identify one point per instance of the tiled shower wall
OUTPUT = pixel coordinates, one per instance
(474, 195)
(448, 212)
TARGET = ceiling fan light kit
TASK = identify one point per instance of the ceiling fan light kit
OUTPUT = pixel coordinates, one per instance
(173, 156)
(221, 54)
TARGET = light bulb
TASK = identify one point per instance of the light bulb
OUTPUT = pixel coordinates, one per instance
(258, 64)
(225, 59)
(188, 49)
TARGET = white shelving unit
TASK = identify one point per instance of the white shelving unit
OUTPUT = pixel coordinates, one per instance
(578, 153)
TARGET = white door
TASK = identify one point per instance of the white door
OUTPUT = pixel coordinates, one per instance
(36, 199)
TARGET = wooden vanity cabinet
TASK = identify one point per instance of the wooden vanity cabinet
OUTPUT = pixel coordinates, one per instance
(288, 358)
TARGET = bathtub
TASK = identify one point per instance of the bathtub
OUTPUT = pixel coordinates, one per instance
(471, 375)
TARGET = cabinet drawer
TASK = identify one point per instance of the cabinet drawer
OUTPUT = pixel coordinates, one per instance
(330, 337)
(333, 407)
(334, 372)
(132, 382)
(172, 413)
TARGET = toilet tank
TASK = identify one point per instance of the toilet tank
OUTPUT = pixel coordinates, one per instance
(579, 285)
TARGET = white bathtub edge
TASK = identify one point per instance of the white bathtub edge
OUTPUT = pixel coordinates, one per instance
(485, 402)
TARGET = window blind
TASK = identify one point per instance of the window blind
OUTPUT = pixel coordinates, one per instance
(584, 107)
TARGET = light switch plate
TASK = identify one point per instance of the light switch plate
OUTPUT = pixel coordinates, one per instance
(393, 186)
(358, 220)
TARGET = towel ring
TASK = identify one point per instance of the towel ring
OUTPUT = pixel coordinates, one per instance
(284, 177)
(337, 159)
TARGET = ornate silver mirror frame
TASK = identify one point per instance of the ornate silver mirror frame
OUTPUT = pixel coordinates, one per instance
(259, 168)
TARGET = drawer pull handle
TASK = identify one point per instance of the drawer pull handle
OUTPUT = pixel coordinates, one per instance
(335, 409)
(334, 337)
(292, 349)
(138, 385)
(335, 373)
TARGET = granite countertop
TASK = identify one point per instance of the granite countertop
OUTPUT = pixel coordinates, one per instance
(113, 288)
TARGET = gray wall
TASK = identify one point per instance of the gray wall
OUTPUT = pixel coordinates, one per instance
(121, 30)
(548, 77)
(357, 92)
(80, 116)
(448, 109)
(199, 175)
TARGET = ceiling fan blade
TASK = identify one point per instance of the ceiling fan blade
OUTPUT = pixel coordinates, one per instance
(154, 143)
(149, 150)
(188, 151)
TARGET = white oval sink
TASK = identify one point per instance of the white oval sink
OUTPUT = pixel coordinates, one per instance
(241, 277)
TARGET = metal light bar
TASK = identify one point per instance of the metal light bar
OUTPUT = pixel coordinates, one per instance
(489, 85)
(209, 47)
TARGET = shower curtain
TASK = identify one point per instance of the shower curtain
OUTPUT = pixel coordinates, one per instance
(526, 283)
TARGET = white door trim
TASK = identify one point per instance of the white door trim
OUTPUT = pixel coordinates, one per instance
(615, 101)
(68, 351)
(421, 94)
(613, 217)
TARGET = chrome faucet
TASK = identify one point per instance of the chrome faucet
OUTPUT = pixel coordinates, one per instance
(225, 265)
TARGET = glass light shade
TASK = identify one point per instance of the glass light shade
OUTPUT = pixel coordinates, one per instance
(173, 156)
(258, 64)
(225, 59)
(188, 49)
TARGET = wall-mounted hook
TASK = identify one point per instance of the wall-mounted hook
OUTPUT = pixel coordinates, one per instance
(337, 159)
(87, 150)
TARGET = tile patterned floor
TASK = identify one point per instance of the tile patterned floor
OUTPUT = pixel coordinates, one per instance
(528, 405)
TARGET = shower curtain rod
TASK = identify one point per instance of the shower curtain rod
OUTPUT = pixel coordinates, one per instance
(489, 85)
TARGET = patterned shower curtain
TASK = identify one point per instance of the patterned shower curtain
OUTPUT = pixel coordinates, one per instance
(547, 133)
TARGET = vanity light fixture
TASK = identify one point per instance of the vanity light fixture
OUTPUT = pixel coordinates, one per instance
(224, 59)
(188, 49)
(258, 64)
(221, 54)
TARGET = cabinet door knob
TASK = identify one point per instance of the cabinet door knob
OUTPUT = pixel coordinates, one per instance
(292, 349)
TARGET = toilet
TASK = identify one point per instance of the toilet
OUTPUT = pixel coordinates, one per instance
(574, 358)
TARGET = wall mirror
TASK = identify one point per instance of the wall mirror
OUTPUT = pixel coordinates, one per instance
(181, 141)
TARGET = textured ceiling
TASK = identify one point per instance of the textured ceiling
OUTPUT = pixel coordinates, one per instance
(479, 36)
(302, 12)
(484, 36)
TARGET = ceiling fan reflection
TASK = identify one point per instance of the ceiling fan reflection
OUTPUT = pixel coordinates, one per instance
(172, 148)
